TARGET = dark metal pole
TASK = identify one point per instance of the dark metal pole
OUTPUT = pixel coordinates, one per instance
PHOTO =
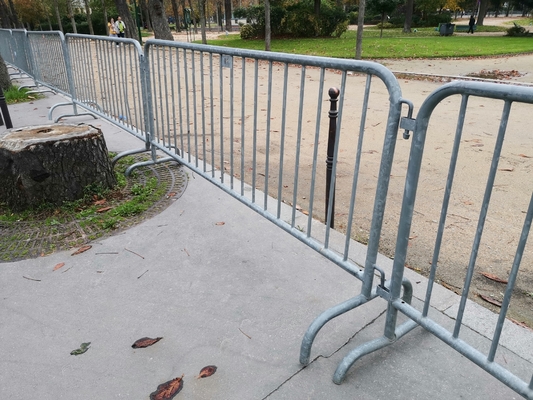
(5, 111)
(333, 98)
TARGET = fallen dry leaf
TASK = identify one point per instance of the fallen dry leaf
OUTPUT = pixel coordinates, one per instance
(493, 277)
(82, 249)
(511, 169)
(145, 342)
(206, 372)
(103, 209)
(220, 223)
(100, 202)
(168, 390)
(58, 266)
(523, 155)
(490, 300)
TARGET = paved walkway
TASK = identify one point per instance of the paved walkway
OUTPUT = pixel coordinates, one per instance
(237, 295)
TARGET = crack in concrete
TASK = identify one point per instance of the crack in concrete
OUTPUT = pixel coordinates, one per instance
(326, 356)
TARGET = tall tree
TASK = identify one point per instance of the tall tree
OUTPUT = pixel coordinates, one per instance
(14, 15)
(360, 22)
(58, 15)
(5, 15)
(201, 6)
(104, 10)
(89, 19)
(268, 28)
(71, 16)
(408, 16)
(227, 14)
(383, 7)
(124, 12)
(176, 14)
(159, 20)
(5, 80)
(483, 5)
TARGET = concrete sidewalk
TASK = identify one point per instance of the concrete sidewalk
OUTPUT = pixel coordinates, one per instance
(237, 295)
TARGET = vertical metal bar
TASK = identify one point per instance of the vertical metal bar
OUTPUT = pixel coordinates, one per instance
(357, 167)
(231, 122)
(482, 216)
(221, 81)
(332, 136)
(254, 130)
(282, 139)
(202, 86)
(267, 139)
(298, 145)
(445, 202)
(212, 101)
(512, 280)
(315, 151)
(243, 120)
(195, 106)
(181, 100)
(173, 99)
(165, 132)
(187, 105)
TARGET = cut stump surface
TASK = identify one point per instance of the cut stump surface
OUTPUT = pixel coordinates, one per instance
(52, 164)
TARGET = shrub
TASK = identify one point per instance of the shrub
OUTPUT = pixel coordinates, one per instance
(247, 32)
(385, 25)
(353, 17)
(517, 30)
(340, 29)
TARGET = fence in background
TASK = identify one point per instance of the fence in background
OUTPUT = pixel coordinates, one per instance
(255, 125)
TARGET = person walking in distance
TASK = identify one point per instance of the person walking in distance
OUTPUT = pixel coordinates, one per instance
(121, 27)
(112, 28)
(471, 24)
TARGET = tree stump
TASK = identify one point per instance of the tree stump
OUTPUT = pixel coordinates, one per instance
(52, 164)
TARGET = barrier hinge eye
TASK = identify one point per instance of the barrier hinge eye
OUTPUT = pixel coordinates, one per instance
(407, 123)
(382, 290)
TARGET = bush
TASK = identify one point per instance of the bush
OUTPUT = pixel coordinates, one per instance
(517, 30)
(385, 25)
(353, 17)
(247, 32)
(340, 29)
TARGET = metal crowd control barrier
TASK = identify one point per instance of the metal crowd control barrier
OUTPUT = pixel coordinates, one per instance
(108, 81)
(235, 116)
(5, 46)
(468, 91)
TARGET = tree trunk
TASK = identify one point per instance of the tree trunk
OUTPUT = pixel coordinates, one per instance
(317, 8)
(193, 17)
(408, 16)
(159, 20)
(482, 11)
(5, 80)
(14, 15)
(176, 14)
(49, 23)
(89, 20)
(124, 12)
(71, 15)
(201, 5)
(52, 164)
(4, 15)
(104, 8)
(227, 14)
(58, 16)
(268, 31)
(360, 22)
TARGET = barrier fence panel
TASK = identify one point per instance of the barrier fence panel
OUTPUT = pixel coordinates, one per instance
(108, 79)
(256, 125)
(49, 56)
(21, 54)
(496, 217)
(6, 38)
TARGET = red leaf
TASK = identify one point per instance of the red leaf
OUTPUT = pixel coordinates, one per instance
(145, 342)
(82, 249)
(168, 390)
(100, 202)
(206, 372)
(490, 300)
(58, 266)
(103, 209)
(220, 223)
(493, 277)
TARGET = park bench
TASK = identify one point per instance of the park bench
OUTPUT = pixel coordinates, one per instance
(463, 28)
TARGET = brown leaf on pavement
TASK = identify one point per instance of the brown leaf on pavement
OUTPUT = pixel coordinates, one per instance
(145, 342)
(168, 390)
(523, 155)
(490, 300)
(58, 266)
(220, 223)
(493, 277)
(206, 372)
(82, 249)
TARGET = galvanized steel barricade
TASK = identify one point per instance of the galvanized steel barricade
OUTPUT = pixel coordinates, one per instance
(51, 65)
(108, 80)
(5, 46)
(490, 169)
(236, 117)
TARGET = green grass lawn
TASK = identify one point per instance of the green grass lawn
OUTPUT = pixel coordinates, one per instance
(425, 43)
